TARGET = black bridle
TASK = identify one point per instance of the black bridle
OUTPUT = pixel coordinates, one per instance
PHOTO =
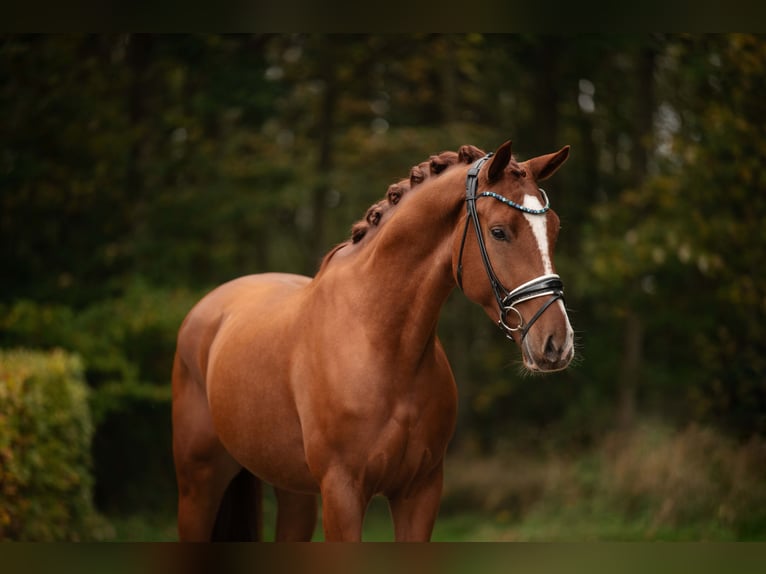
(506, 300)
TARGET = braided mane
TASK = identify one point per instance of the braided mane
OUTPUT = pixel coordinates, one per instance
(436, 164)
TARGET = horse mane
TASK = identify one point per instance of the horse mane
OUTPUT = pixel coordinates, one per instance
(373, 217)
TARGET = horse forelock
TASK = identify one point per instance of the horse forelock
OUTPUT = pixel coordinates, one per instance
(515, 168)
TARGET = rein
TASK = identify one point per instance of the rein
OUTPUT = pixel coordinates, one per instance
(549, 284)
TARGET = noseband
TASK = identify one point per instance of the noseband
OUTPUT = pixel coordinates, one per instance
(506, 300)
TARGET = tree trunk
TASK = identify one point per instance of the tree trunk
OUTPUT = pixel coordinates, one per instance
(630, 370)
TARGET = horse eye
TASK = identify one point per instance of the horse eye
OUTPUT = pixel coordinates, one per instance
(499, 234)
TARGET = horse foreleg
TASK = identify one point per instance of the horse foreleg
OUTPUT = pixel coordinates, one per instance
(343, 505)
(414, 512)
(296, 516)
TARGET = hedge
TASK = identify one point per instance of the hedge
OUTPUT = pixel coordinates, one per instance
(132, 448)
(126, 344)
(45, 440)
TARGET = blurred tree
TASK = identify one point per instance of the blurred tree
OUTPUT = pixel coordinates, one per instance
(63, 143)
(685, 238)
(718, 205)
(137, 168)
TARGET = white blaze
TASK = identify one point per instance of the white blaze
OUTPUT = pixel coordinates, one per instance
(539, 226)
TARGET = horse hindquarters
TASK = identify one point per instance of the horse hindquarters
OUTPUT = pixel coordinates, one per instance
(205, 471)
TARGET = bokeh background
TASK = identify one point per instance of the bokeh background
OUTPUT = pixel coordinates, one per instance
(137, 172)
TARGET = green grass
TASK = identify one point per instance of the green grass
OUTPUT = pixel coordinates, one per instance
(577, 524)
(655, 483)
(450, 528)
(377, 527)
(583, 525)
(143, 528)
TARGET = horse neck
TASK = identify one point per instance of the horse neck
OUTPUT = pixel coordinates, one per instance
(405, 275)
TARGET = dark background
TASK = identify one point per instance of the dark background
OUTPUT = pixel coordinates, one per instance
(139, 171)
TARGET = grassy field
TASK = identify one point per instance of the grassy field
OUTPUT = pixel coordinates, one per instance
(653, 484)
(574, 525)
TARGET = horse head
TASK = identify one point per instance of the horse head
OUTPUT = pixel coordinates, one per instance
(503, 255)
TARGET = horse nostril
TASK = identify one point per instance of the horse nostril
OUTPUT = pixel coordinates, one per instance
(551, 351)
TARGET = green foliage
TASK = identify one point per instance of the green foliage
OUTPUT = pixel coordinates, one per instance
(45, 437)
(683, 248)
(126, 338)
(653, 483)
(650, 483)
(132, 450)
(127, 346)
(691, 476)
(137, 171)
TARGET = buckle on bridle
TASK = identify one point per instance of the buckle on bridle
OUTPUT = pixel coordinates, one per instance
(506, 328)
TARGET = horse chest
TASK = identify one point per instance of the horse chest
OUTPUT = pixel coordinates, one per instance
(407, 446)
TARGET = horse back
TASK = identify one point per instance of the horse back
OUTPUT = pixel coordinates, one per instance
(203, 323)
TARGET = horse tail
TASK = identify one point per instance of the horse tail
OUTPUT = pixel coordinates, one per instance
(240, 513)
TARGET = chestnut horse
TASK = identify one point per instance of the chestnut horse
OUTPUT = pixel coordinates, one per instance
(338, 385)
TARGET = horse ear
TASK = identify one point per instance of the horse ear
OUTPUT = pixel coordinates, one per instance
(500, 160)
(544, 166)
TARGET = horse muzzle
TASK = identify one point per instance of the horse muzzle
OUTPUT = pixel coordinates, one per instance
(554, 353)
(551, 347)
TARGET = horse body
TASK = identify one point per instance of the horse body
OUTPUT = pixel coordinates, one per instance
(335, 385)
(323, 391)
